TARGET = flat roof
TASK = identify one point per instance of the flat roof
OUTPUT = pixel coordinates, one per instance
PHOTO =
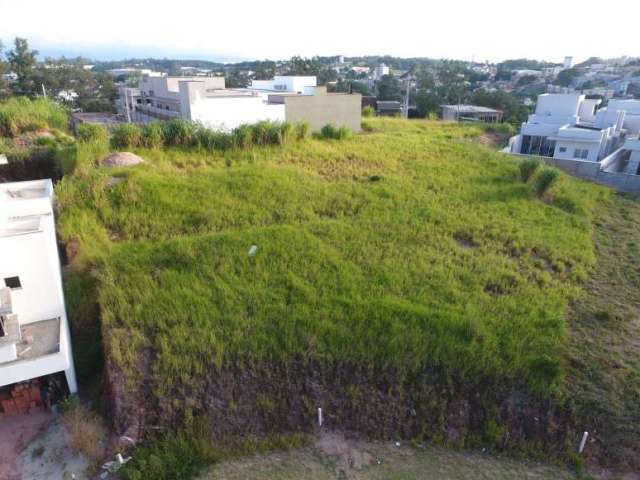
(471, 109)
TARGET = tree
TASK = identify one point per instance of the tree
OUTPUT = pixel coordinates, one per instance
(389, 88)
(565, 77)
(427, 103)
(3, 69)
(22, 62)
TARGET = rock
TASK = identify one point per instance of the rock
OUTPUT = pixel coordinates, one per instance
(122, 159)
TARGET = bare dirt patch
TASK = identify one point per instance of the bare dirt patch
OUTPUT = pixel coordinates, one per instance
(16, 433)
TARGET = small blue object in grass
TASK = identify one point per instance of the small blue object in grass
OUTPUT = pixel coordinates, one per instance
(253, 250)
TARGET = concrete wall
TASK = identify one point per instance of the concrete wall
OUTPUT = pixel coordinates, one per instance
(321, 109)
(593, 172)
(558, 104)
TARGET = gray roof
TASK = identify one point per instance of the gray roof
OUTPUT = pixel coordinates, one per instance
(471, 109)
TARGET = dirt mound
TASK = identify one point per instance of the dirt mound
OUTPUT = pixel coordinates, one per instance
(348, 454)
(122, 159)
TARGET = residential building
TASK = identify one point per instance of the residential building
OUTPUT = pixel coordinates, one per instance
(570, 126)
(470, 113)
(34, 331)
(568, 62)
(301, 85)
(380, 71)
(207, 101)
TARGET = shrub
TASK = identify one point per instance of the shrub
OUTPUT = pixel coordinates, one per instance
(179, 132)
(125, 135)
(303, 131)
(528, 168)
(152, 135)
(171, 457)
(90, 132)
(546, 180)
(368, 111)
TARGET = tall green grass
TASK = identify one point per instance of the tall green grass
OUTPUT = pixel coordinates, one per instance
(20, 114)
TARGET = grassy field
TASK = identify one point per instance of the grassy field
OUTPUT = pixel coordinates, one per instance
(402, 247)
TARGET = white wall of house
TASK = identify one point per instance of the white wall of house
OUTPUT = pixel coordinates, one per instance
(225, 114)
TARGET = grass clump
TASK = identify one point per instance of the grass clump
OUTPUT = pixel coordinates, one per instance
(528, 168)
(125, 136)
(368, 112)
(332, 132)
(88, 435)
(90, 132)
(152, 135)
(547, 178)
(20, 114)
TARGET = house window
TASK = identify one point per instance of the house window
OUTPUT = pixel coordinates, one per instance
(562, 150)
(13, 283)
(581, 153)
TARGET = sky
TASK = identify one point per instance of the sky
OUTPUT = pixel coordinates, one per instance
(229, 31)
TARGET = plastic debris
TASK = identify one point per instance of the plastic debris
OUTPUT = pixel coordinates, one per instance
(253, 250)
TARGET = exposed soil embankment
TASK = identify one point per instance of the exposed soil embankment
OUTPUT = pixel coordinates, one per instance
(264, 400)
(33, 165)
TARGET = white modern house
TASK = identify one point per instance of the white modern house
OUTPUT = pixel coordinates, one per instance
(570, 126)
(206, 100)
(34, 331)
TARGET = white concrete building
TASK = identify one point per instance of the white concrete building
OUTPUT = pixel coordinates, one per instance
(569, 126)
(34, 331)
(380, 71)
(301, 85)
(207, 101)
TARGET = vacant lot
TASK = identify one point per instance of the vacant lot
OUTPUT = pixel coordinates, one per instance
(404, 279)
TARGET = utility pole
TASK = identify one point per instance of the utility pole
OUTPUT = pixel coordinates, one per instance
(126, 104)
(405, 107)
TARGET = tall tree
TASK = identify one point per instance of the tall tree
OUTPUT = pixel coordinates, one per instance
(3, 69)
(22, 62)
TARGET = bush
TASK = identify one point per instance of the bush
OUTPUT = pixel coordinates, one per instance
(368, 111)
(303, 131)
(170, 457)
(179, 133)
(91, 132)
(546, 180)
(528, 168)
(152, 135)
(126, 135)
(330, 131)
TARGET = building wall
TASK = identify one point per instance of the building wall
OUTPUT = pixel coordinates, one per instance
(562, 105)
(593, 148)
(321, 109)
(225, 114)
